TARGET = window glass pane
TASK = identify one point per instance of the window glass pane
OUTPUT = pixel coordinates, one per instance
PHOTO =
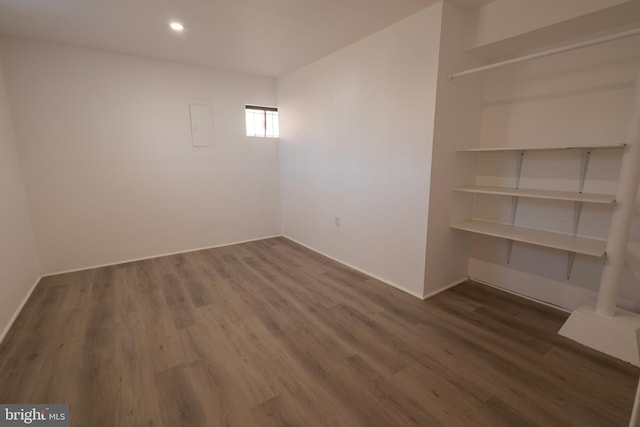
(262, 122)
(251, 127)
(255, 123)
(272, 130)
(259, 123)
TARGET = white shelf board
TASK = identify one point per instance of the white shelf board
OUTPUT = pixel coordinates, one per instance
(565, 242)
(540, 148)
(541, 194)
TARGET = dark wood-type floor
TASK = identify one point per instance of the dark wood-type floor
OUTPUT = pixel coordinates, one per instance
(269, 333)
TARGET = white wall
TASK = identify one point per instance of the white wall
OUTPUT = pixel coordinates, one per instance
(581, 97)
(19, 266)
(105, 147)
(356, 136)
(457, 125)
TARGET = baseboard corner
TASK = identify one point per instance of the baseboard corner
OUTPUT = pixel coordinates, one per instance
(7, 328)
(444, 288)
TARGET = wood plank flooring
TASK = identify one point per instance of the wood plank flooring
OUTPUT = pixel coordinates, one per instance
(269, 333)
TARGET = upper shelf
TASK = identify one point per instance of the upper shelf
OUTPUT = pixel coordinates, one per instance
(542, 194)
(548, 148)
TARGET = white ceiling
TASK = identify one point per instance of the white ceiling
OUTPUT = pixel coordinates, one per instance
(266, 37)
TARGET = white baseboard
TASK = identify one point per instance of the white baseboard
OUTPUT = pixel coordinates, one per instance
(444, 288)
(5, 331)
(158, 256)
(386, 282)
(490, 285)
(556, 292)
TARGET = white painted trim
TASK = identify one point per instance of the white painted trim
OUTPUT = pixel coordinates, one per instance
(386, 282)
(159, 256)
(520, 295)
(449, 286)
(5, 331)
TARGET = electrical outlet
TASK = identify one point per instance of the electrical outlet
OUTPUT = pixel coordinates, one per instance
(337, 221)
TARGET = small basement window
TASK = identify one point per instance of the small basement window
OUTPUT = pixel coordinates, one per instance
(262, 121)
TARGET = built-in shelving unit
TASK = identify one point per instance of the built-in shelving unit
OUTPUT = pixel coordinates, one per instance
(572, 243)
(602, 326)
(541, 194)
(565, 242)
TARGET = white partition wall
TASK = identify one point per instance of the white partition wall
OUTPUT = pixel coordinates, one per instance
(19, 265)
(457, 124)
(356, 141)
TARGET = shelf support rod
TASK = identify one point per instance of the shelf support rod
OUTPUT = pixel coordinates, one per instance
(549, 52)
(584, 165)
(570, 260)
(577, 212)
(515, 200)
(577, 207)
(519, 161)
(514, 209)
(509, 250)
(622, 214)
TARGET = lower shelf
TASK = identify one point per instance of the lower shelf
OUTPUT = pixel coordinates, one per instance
(565, 242)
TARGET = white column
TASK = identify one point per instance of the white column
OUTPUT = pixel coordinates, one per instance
(635, 413)
(622, 215)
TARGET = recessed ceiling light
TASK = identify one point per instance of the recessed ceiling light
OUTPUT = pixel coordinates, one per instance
(176, 26)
